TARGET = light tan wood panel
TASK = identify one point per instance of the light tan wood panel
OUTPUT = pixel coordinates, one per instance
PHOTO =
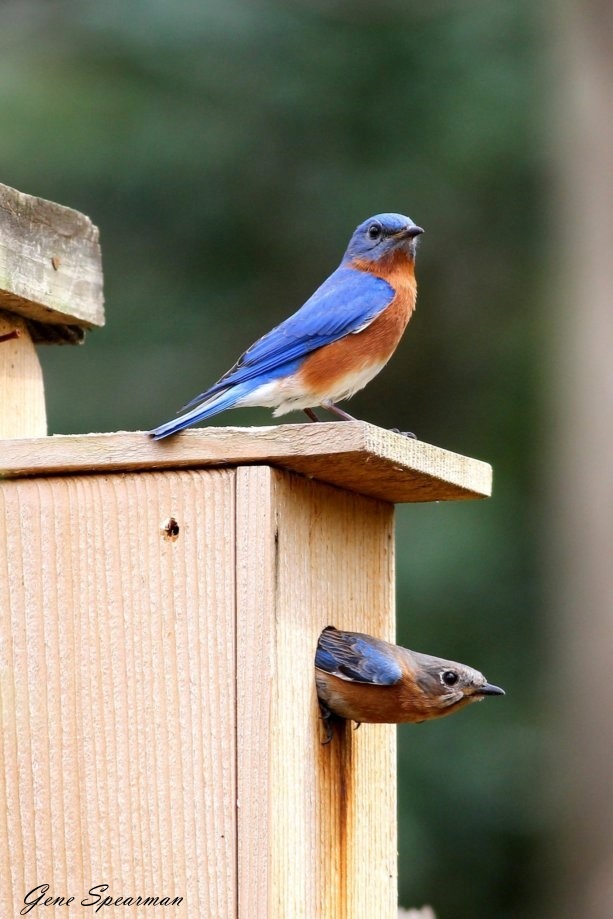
(22, 392)
(117, 689)
(321, 820)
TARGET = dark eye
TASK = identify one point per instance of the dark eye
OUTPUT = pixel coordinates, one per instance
(449, 677)
(374, 231)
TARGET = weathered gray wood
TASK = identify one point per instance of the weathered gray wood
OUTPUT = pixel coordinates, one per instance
(350, 454)
(50, 267)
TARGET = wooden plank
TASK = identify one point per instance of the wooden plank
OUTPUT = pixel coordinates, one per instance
(350, 454)
(316, 824)
(255, 598)
(50, 262)
(22, 399)
(117, 733)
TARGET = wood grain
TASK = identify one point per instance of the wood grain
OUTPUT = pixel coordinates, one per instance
(351, 454)
(22, 393)
(50, 265)
(316, 824)
(159, 728)
(117, 734)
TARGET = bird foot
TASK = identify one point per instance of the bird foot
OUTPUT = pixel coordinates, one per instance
(328, 720)
(345, 416)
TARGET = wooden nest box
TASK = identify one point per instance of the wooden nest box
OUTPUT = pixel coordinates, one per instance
(160, 605)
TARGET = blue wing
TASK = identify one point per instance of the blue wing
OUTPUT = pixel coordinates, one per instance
(346, 302)
(356, 657)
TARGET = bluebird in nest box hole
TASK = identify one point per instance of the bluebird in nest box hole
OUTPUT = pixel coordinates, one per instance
(361, 678)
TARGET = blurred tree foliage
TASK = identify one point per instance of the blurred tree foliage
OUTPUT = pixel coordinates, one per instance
(227, 149)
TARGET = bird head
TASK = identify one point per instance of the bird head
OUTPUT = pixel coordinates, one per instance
(446, 686)
(383, 235)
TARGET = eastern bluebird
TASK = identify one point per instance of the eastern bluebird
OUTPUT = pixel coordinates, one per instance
(337, 341)
(361, 678)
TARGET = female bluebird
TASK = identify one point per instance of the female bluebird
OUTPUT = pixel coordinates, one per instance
(337, 341)
(361, 678)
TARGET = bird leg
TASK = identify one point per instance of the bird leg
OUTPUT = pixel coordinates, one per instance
(331, 407)
(338, 411)
(347, 417)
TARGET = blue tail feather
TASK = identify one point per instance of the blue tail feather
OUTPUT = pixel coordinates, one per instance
(219, 403)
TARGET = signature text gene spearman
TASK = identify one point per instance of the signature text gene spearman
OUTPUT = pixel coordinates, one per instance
(95, 897)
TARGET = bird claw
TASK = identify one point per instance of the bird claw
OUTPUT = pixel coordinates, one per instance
(409, 434)
(328, 719)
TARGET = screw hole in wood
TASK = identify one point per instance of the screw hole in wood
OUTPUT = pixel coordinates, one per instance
(170, 529)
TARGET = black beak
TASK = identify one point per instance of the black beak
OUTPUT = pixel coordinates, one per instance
(408, 233)
(488, 690)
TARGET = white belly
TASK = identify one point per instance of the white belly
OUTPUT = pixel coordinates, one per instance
(287, 395)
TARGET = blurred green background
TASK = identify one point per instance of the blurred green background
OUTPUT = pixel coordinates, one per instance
(227, 150)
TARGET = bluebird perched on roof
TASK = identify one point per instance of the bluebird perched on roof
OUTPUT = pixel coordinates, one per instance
(361, 678)
(335, 343)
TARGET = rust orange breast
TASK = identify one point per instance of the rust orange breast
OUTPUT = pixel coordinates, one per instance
(361, 702)
(375, 344)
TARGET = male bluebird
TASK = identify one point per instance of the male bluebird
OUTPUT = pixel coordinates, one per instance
(361, 678)
(337, 341)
